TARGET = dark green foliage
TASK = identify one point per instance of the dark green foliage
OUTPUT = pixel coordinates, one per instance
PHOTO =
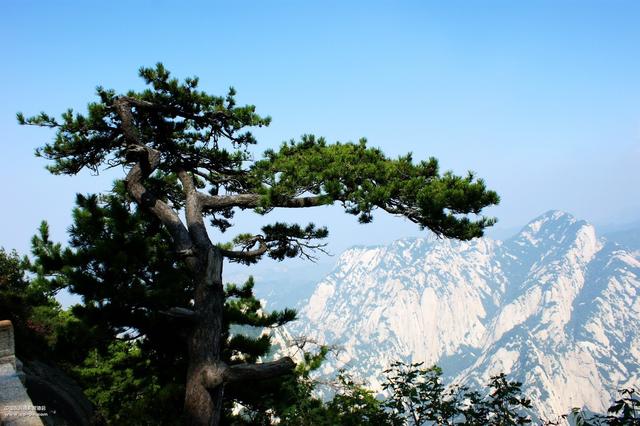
(354, 405)
(12, 272)
(243, 308)
(41, 327)
(129, 357)
(122, 265)
(295, 402)
(414, 396)
(205, 134)
(187, 125)
(363, 178)
(286, 240)
(127, 389)
(506, 403)
(624, 411)
(290, 401)
(417, 396)
(297, 405)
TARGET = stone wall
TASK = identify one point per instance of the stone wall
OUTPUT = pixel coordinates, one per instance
(16, 408)
(7, 345)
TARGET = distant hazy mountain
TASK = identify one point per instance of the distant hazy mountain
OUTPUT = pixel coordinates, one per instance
(628, 238)
(555, 307)
(281, 284)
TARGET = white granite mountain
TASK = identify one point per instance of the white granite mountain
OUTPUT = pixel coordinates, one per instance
(554, 307)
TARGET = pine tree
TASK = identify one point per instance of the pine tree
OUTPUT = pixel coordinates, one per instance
(186, 151)
(133, 358)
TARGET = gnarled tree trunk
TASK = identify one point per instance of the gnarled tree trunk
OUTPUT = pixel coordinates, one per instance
(203, 405)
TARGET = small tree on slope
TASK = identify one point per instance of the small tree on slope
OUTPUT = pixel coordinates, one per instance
(186, 151)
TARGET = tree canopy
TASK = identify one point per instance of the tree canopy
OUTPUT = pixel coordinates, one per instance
(187, 161)
(186, 130)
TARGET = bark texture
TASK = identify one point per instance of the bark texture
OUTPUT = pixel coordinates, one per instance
(203, 405)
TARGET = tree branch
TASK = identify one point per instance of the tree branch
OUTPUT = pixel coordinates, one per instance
(279, 241)
(255, 372)
(193, 211)
(215, 375)
(245, 255)
(253, 200)
(148, 160)
(182, 313)
(209, 115)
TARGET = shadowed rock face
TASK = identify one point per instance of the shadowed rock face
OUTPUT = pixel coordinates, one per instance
(65, 402)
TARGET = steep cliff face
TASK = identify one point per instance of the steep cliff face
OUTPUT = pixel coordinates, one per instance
(554, 307)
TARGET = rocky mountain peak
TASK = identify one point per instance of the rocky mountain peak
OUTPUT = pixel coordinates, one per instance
(553, 307)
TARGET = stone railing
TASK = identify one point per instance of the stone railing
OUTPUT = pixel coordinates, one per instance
(7, 348)
(16, 408)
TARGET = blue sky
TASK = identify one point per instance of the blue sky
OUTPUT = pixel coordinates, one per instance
(540, 98)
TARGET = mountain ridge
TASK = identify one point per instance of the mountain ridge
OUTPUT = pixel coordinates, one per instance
(555, 306)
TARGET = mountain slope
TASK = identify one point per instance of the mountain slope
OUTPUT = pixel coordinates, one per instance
(554, 307)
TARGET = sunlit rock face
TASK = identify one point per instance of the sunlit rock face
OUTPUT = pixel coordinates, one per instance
(555, 307)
